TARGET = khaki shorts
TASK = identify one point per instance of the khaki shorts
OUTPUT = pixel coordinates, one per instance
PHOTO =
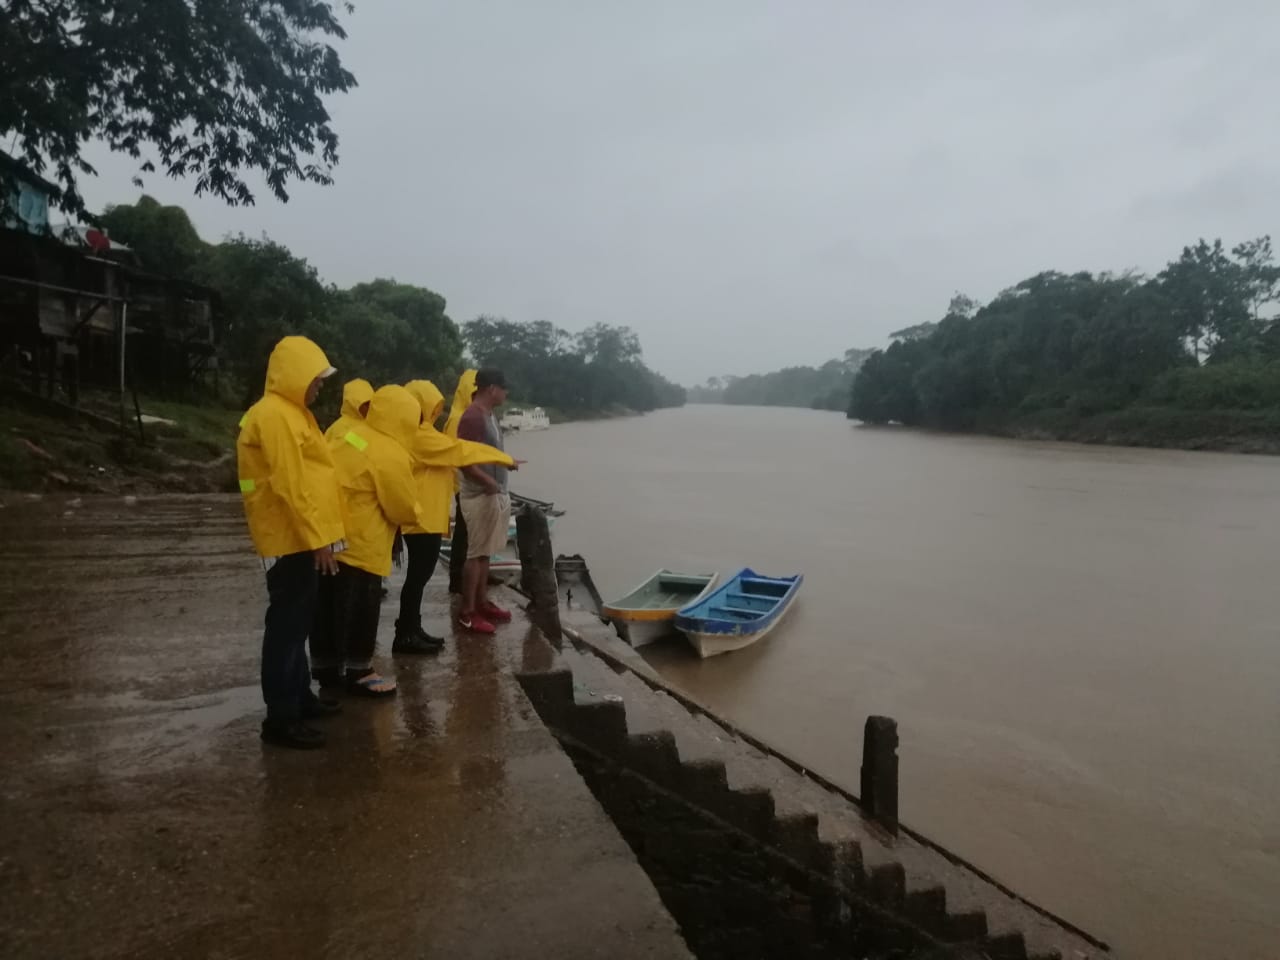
(486, 518)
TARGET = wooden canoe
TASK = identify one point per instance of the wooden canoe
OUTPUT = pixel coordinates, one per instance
(647, 612)
(738, 614)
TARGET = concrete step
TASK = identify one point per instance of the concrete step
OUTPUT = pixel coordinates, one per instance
(692, 754)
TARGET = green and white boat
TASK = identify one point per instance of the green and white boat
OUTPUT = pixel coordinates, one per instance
(648, 612)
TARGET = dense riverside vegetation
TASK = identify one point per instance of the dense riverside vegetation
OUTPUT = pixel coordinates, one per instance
(1189, 357)
(383, 330)
(598, 371)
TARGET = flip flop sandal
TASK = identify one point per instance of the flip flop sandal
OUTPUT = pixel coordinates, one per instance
(371, 685)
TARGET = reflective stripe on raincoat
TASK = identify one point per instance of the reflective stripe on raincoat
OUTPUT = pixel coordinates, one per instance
(287, 477)
(375, 472)
(436, 458)
(355, 394)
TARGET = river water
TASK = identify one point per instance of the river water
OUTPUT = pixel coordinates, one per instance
(1081, 644)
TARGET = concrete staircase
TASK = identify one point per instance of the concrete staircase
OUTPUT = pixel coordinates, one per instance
(863, 888)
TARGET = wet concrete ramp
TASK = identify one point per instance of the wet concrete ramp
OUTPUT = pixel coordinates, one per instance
(140, 816)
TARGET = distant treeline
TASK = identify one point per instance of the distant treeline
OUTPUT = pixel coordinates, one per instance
(600, 370)
(1188, 357)
(823, 388)
(384, 331)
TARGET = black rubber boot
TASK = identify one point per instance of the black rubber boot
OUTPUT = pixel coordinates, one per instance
(430, 637)
(413, 639)
(291, 733)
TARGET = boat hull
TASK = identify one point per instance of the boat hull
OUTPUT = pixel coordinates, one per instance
(576, 588)
(638, 623)
(714, 644)
(743, 611)
(641, 632)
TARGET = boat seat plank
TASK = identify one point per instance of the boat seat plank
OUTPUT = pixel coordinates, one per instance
(764, 588)
(670, 580)
(739, 611)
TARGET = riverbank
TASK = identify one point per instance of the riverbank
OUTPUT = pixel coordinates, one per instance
(1227, 431)
(1160, 428)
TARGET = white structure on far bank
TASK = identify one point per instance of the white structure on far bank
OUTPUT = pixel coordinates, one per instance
(517, 418)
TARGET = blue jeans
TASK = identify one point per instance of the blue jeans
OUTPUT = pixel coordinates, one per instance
(291, 604)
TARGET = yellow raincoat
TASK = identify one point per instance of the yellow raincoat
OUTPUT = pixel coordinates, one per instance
(355, 394)
(375, 472)
(287, 477)
(436, 458)
(462, 398)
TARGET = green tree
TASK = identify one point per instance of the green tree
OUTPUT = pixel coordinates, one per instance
(163, 237)
(884, 390)
(1080, 346)
(399, 331)
(915, 332)
(1208, 292)
(266, 293)
(1260, 275)
(599, 369)
(208, 89)
(609, 346)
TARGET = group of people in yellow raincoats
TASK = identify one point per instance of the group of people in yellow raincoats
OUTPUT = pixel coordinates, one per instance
(325, 511)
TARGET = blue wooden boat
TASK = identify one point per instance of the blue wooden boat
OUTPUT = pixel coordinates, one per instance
(738, 614)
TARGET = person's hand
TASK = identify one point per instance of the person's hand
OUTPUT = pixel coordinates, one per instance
(325, 561)
(397, 549)
(517, 464)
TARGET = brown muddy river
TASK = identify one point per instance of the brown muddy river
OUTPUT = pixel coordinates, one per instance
(1081, 645)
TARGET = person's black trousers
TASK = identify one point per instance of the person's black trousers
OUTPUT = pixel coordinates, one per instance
(345, 629)
(458, 548)
(423, 550)
(291, 605)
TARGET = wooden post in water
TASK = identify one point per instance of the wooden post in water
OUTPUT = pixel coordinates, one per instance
(538, 567)
(880, 771)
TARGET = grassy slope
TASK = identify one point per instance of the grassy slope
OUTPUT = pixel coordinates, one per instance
(42, 449)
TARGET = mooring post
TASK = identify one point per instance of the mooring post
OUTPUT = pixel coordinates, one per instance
(538, 565)
(880, 771)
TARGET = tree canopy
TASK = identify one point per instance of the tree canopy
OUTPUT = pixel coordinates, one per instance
(599, 369)
(1081, 345)
(386, 331)
(163, 237)
(211, 89)
(383, 330)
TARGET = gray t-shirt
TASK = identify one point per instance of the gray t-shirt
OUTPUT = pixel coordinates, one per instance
(481, 426)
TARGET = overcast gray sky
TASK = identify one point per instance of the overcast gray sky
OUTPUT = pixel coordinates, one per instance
(752, 185)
